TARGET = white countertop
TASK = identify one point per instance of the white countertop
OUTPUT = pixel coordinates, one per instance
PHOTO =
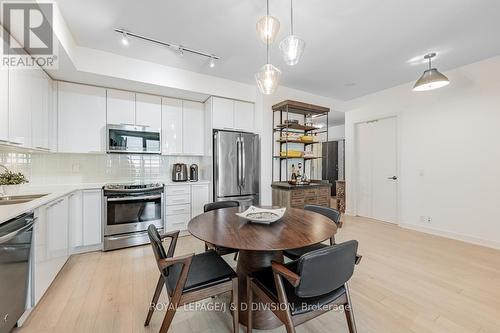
(55, 192)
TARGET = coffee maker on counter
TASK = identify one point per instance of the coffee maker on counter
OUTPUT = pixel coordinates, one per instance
(179, 172)
(193, 173)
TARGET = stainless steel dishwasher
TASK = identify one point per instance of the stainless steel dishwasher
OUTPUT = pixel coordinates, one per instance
(15, 247)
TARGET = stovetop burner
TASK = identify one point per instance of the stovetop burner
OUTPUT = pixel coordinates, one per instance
(133, 186)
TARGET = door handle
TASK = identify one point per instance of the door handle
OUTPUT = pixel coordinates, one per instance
(243, 163)
(393, 178)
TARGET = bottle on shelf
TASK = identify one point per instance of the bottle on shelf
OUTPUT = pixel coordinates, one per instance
(294, 174)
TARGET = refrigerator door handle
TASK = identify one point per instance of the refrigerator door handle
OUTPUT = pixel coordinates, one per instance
(243, 164)
(238, 162)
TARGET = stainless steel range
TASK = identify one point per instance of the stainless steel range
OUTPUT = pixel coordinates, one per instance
(128, 211)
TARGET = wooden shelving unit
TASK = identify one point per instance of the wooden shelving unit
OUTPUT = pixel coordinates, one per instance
(282, 125)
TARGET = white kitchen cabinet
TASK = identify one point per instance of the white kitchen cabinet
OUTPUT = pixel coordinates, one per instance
(222, 113)
(57, 229)
(40, 110)
(171, 126)
(177, 222)
(148, 111)
(120, 107)
(50, 244)
(230, 115)
(244, 116)
(21, 92)
(75, 220)
(4, 103)
(193, 123)
(200, 195)
(92, 217)
(81, 118)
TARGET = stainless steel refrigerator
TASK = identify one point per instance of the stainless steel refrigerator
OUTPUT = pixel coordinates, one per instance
(236, 167)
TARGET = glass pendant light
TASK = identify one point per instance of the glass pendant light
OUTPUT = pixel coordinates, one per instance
(432, 78)
(292, 46)
(268, 75)
(268, 27)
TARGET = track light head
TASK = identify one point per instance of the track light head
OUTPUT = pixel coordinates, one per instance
(125, 41)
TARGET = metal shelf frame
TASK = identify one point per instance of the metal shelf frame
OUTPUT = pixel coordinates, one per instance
(286, 108)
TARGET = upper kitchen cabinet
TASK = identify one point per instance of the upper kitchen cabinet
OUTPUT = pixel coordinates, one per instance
(222, 113)
(148, 110)
(120, 106)
(21, 92)
(129, 108)
(82, 118)
(192, 128)
(182, 127)
(243, 116)
(4, 104)
(41, 110)
(171, 127)
(231, 115)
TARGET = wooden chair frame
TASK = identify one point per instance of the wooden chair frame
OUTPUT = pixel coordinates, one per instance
(284, 314)
(177, 297)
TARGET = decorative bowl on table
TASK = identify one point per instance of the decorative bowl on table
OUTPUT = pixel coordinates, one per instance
(262, 215)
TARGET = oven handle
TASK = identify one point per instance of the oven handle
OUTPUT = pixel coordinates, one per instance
(147, 197)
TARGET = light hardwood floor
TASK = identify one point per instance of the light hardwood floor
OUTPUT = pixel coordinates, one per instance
(407, 282)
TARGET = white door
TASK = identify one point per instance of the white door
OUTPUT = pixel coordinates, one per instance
(376, 160)
(148, 111)
(75, 220)
(120, 107)
(40, 110)
(21, 89)
(193, 128)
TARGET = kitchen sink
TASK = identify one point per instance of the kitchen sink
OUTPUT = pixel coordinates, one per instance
(18, 199)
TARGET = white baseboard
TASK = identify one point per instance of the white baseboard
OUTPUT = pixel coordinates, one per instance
(453, 235)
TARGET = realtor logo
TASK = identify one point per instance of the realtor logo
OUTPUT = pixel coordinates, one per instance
(28, 35)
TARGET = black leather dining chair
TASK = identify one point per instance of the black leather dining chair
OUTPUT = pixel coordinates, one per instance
(303, 289)
(189, 278)
(332, 214)
(219, 205)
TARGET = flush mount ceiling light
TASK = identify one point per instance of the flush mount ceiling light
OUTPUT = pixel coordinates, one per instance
(268, 75)
(432, 78)
(292, 46)
(180, 49)
(268, 27)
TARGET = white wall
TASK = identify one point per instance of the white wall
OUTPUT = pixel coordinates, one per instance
(336, 132)
(449, 152)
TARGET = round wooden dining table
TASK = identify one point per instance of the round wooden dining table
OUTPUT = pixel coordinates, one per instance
(259, 244)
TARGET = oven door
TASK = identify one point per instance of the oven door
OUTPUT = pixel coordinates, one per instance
(132, 212)
(133, 139)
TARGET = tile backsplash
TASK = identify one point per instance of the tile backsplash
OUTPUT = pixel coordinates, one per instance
(46, 168)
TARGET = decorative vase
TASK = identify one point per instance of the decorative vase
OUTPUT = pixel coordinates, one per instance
(11, 189)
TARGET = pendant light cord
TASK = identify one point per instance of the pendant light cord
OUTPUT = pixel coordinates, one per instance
(430, 63)
(267, 32)
(291, 16)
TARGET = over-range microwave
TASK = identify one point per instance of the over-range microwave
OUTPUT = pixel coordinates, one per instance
(133, 139)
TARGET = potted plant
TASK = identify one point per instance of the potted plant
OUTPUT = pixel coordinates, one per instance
(11, 181)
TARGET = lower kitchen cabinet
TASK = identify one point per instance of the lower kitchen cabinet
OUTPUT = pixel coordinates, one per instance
(182, 203)
(50, 243)
(85, 218)
(200, 195)
(92, 216)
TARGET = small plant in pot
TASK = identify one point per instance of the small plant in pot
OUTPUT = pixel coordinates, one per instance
(11, 181)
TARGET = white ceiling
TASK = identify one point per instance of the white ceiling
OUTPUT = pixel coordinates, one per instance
(352, 47)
